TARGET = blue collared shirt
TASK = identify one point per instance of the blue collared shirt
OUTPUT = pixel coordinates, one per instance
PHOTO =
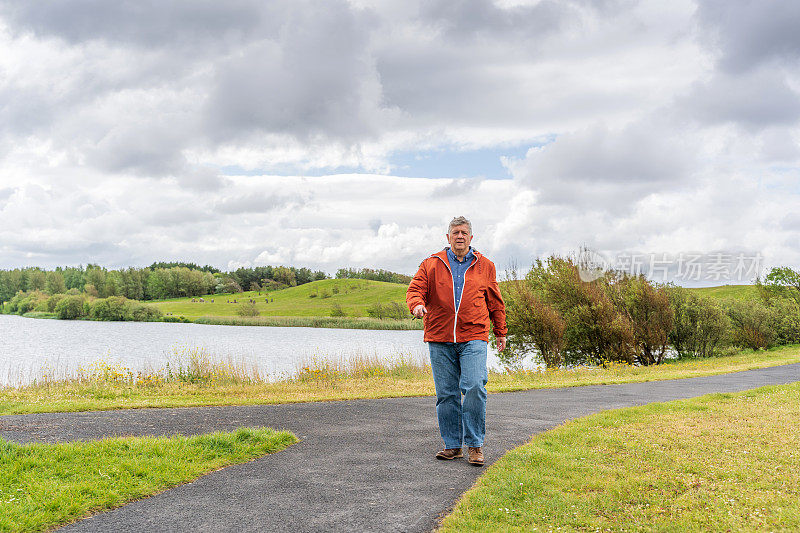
(458, 269)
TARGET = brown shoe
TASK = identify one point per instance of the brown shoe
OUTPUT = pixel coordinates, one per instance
(450, 453)
(475, 456)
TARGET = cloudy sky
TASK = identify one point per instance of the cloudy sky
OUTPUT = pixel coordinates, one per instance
(331, 134)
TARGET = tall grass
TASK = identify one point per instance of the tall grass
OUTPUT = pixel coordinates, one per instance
(313, 322)
(360, 366)
(197, 366)
(194, 378)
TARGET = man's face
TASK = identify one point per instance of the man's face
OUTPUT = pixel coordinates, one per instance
(459, 239)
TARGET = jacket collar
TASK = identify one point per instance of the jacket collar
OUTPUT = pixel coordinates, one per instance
(443, 255)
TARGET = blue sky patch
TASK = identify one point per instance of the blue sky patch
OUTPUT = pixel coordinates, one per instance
(438, 163)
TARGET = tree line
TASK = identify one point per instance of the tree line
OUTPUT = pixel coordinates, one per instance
(372, 274)
(156, 282)
(561, 319)
(163, 280)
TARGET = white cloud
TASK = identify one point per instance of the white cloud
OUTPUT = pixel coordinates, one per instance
(667, 126)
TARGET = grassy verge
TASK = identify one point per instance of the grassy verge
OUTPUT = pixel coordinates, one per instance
(202, 381)
(723, 462)
(313, 322)
(45, 485)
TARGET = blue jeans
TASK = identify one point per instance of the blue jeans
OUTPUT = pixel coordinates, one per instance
(459, 368)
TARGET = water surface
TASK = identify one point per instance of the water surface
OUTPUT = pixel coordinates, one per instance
(27, 345)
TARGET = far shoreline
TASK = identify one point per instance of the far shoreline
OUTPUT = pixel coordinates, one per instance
(266, 321)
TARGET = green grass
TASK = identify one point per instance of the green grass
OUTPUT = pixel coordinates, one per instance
(202, 380)
(314, 322)
(723, 462)
(45, 485)
(309, 299)
(40, 314)
(730, 292)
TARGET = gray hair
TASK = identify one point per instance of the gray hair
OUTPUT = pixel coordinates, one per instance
(460, 221)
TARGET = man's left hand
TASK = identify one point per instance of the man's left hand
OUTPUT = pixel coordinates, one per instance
(501, 344)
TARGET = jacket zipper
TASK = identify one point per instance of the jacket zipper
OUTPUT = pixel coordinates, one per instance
(447, 264)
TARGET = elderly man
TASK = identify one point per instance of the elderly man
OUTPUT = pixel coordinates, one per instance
(456, 292)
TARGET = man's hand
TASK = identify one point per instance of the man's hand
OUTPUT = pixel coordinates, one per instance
(419, 311)
(501, 344)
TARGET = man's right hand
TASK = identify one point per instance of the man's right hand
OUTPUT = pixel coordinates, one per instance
(419, 311)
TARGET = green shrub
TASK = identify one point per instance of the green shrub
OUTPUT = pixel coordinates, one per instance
(24, 302)
(144, 313)
(70, 308)
(247, 309)
(595, 329)
(53, 301)
(753, 325)
(533, 327)
(113, 308)
(376, 310)
(116, 308)
(700, 324)
(336, 309)
(179, 319)
(787, 311)
(397, 311)
(648, 310)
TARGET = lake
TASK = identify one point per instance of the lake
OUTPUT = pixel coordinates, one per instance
(28, 345)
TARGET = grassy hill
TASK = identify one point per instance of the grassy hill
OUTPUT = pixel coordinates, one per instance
(733, 292)
(310, 299)
(353, 295)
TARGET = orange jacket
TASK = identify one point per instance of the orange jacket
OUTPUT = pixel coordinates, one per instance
(432, 287)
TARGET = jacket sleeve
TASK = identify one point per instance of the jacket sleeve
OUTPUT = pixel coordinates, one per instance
(496, 305)
(417, 293)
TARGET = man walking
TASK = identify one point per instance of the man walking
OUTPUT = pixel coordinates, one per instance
(456, 292)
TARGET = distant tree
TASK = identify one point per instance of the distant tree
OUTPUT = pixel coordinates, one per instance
(10, 284)
(190, 266)
(157, 287)
(54, 283)
(74, 277)
(372, 274)
(781, 282)
(96, 276)
(114, 285)
(37, 280)
(285, 275)
(133, 283)
(91, 290)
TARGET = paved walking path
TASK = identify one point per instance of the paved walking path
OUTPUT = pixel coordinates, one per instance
(362, 465)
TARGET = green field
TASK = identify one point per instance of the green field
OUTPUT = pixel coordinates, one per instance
(732, 292)
(354, 296)
(311, 299)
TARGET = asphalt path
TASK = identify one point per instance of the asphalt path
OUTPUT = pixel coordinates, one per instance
(362, 465)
